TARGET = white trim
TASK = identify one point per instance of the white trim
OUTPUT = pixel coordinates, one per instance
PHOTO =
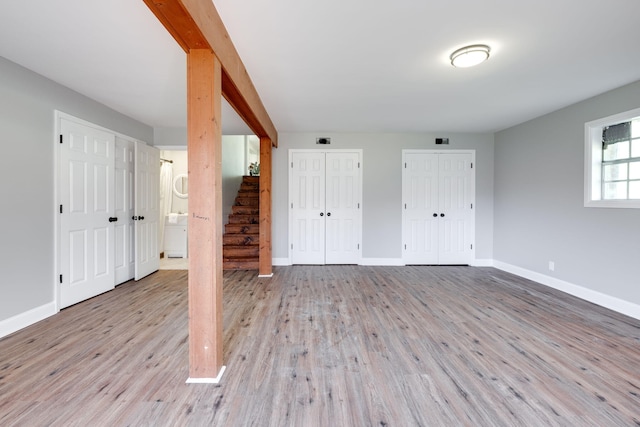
(482, 263)
(215, 380)
(391, 262)
(593, 162)
(27, 318)
(265, 275)
(281, 261)
(604, 300)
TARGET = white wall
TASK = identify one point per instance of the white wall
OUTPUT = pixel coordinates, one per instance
(539, 211)
(382, 184)
(27, 104)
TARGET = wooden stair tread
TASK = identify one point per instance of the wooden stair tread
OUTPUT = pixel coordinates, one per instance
(240, 249)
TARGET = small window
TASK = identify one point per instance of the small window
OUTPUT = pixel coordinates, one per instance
(612, 156)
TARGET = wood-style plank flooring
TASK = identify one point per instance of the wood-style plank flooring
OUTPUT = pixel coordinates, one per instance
(331, 346)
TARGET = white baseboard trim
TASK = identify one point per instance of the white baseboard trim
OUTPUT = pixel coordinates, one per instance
(215, 380)
(265, 275)
(391, 262)
(482, 263)
(281, 261)
(616, 304)
(27, 318)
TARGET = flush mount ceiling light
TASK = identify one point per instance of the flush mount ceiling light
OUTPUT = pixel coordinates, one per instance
(469, 56)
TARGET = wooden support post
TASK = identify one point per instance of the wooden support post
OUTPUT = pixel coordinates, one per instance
(204, 143)
(265, 265)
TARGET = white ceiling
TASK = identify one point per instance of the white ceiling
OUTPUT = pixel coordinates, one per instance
(342, 65)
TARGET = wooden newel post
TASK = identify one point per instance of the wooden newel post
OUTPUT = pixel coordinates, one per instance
(204, 143)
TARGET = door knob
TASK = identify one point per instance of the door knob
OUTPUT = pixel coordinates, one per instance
(328, 213)
(442, 215)
(321, 213)
(141, 217)
(113, 218)
(435, 215)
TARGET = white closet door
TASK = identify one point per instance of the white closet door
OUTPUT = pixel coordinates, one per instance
(455, 199)
(86, 203)
(421, 213)
(342, 208)
(147, 206)
(307, 194)
(124, 201)
(437, 208)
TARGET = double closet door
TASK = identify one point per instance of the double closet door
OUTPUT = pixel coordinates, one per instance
(325, 191)
(438, 201)
(108, 210)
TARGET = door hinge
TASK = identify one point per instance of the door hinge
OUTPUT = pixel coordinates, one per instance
(60, 138)
(358, 246)
(358, 165)
(60, 208)
(61, 278)
(471, 205)
(292, 246)
(471, 165)
(472, 246)
(405, 165)
(291, 205)
(358, 205)
(291, 165)
(405, 247)
(405, 206)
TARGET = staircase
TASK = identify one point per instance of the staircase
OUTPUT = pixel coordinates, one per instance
(240, 242)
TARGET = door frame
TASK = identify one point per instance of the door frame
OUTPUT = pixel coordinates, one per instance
(290, 184)
(472, 254)
(58, 116)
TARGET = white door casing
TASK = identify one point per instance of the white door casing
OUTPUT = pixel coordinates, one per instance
(325, 201)
(147, 207)
(438, 197)
(86, 198)
(124, 209)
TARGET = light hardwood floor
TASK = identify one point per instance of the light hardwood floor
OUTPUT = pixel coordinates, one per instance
(331, 346)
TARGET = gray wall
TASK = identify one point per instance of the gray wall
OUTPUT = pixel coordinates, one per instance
(382, 185)
(27, 104)
(539, 208)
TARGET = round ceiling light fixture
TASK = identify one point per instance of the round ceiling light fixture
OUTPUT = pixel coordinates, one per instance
(470, 56)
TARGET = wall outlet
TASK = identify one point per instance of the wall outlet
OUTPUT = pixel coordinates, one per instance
(552, 265)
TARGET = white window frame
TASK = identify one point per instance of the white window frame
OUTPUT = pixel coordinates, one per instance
(593, 162)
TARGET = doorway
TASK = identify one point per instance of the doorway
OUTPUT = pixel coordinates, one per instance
(325, 191)
(438, 216)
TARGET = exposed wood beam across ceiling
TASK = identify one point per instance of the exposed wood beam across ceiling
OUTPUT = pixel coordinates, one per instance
(195, 24)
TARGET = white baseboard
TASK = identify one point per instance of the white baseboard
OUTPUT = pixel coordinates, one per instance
(27, 318)
(392, 262)
(280, 261)
(616, 304)
(482, 263)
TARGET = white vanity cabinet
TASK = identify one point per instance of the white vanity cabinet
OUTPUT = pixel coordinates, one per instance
(175, 237)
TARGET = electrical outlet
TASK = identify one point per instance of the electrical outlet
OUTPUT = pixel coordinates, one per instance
(552, 265)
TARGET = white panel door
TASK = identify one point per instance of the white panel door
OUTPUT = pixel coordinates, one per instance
(420, 198)
(325, 194)
(124, 201)
(307, 194)
(437, 208)
(147, 207)
(342, 214)
(455, 203)
(86, 167)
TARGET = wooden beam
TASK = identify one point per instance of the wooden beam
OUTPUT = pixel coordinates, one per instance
(265, 264)
(194, 22)
(204, 148)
